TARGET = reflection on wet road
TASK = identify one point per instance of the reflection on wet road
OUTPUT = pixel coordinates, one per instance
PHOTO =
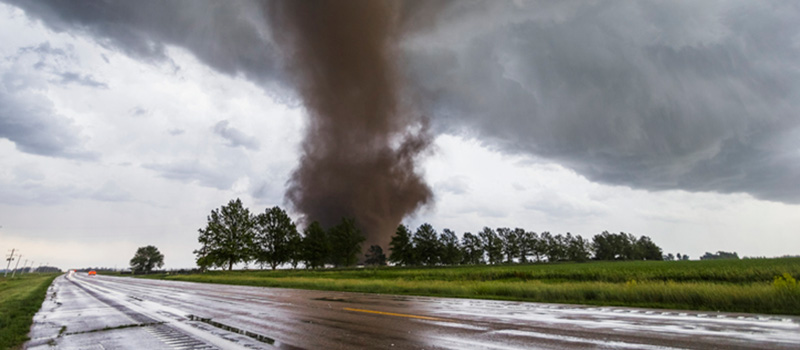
(102, 312)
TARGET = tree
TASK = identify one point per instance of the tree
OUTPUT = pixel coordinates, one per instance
(625, 246)
(493, 245)
(315, 246)
(630, 249)
(426, 245)
(529, 245)
(227, 238)
(720, 255)
(345, 240)
(147, 258)
(522, 249)
(402, 248)
(510, 239)
(274, 231)
(555, 247)
(648, 250)
(610, 246)
(451, 250)
(578, 248)
(295, 248)
(472, 249)
(375, 256)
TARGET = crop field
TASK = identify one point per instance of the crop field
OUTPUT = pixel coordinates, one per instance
(753, 285)
(20, 298)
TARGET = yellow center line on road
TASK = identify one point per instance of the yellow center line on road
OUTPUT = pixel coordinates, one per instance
(393, 314)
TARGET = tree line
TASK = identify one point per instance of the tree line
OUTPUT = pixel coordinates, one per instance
(234, 235)
(720, 255)
(505, 245)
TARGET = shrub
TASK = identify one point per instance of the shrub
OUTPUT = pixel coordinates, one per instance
(786, 284)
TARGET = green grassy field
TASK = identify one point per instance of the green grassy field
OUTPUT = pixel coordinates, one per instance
(20, 298)
(715, 285)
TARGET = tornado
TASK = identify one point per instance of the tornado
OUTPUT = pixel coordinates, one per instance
(364, 137)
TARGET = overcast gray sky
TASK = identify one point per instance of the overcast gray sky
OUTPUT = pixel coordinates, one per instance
(124, 124)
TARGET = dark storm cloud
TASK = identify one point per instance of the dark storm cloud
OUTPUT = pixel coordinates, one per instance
(653, 95)
(230, 36)
(700, 96)
(235, 137)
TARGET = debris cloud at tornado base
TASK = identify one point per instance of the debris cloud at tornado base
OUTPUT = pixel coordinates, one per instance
(363, 135)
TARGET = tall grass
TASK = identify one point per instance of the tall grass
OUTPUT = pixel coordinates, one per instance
(731, 285)
(20, 298)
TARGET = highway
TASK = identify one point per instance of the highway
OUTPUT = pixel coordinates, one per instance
(103, 312)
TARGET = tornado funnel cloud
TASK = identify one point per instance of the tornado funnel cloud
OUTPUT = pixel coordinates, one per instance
(363, 137)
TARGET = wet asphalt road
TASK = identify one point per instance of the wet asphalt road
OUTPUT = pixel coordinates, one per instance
(101, 312)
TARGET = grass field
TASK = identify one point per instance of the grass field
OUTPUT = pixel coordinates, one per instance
(758, 285)
(20, 298)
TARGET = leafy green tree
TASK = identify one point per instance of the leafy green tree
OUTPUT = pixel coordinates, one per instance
(274, 232)
(648, 250)
(295, 248)
(451, 250)
(426, 245)
(227, 238)
(720, 255)
(528, 246)
(146, 258)
(345, 241)
(375, 256)
(493, 245)
(625, 246)
(511, 242)
(472, 249)
(315, 246)
(555, 247)
(578, 248)
(630, 249)
(402, 248)
(610, 246)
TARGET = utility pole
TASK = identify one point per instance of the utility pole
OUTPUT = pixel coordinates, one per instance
(10, 258)
(19, 257)
(22, 270)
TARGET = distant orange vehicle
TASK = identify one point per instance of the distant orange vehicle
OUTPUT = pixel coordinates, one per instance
(92, 273)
